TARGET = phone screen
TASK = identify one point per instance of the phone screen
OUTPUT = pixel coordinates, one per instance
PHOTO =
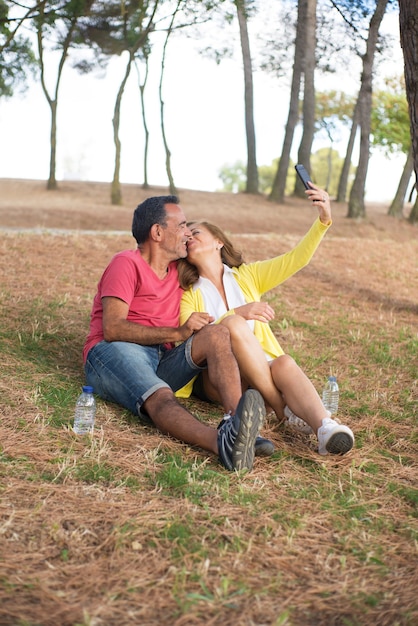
(303, 175)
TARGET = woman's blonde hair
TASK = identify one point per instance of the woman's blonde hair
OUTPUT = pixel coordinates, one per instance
(232, 257)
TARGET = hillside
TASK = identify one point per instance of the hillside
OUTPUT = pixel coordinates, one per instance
(131, 527)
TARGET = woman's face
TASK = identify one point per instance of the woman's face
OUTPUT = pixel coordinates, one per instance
(202, 244)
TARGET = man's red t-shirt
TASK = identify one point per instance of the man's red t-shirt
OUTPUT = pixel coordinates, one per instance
(151, 301)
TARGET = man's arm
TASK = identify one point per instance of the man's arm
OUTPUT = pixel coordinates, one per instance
(116, 326)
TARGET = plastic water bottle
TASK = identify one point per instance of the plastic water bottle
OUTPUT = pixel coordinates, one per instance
(85, 412)
(330, 395)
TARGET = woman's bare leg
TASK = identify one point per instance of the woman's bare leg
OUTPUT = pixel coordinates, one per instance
(298, 391)
(252, 362)
(280, 382)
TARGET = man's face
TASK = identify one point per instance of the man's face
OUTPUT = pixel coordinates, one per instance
(176, 233)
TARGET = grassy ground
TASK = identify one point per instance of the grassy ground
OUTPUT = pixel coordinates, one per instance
(131, 527)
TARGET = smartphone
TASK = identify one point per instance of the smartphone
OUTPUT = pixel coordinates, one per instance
(303, 175)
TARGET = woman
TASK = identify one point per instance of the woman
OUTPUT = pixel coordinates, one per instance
(218, 282)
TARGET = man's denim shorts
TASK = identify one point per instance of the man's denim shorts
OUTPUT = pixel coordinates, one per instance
(128, 373)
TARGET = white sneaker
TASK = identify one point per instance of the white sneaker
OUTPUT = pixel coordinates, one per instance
(297, 422)
(334, 438)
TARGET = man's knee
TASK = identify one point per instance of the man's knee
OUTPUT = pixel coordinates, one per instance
(159, 401)
(211, 340)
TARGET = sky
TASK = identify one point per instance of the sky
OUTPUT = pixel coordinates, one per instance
(204, 111)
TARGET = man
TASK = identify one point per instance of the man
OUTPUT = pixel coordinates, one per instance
(130, 355)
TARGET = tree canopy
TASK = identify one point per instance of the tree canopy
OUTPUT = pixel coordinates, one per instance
(320, 38)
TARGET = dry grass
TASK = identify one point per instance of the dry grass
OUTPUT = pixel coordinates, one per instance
(134, 528)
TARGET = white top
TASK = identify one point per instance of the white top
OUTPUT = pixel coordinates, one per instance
(214, 303)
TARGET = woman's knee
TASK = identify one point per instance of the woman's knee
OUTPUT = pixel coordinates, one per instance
(284, 363)
(236, 325)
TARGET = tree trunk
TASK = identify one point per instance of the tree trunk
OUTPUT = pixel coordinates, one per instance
(305, 148)
(356, 206)
(413, 216)
(53, 101)
(52, 181)
(142, 86)
(396, 207)
(329, 170)
(279, 184)
(116, 193)
(252, 171)
(173, 189)
(343, 182)
(408, 22)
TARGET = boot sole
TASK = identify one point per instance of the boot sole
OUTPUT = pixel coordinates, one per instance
(251, 420)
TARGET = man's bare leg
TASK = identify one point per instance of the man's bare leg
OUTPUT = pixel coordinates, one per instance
(171, 418)
(234, 441)
(212, 345)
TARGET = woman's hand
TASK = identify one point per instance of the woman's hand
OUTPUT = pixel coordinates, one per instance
(260, 311)
(321, 200)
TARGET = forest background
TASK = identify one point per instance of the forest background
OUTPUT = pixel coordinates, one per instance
(168, 123)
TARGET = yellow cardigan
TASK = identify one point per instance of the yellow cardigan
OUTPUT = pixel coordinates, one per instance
(254, 280)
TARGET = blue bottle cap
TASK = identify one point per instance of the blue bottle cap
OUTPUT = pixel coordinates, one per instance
(333, 379)
(87, 389)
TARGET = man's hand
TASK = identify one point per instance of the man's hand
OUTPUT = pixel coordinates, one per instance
(260, 311)
(194, 323)
(117, 328)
